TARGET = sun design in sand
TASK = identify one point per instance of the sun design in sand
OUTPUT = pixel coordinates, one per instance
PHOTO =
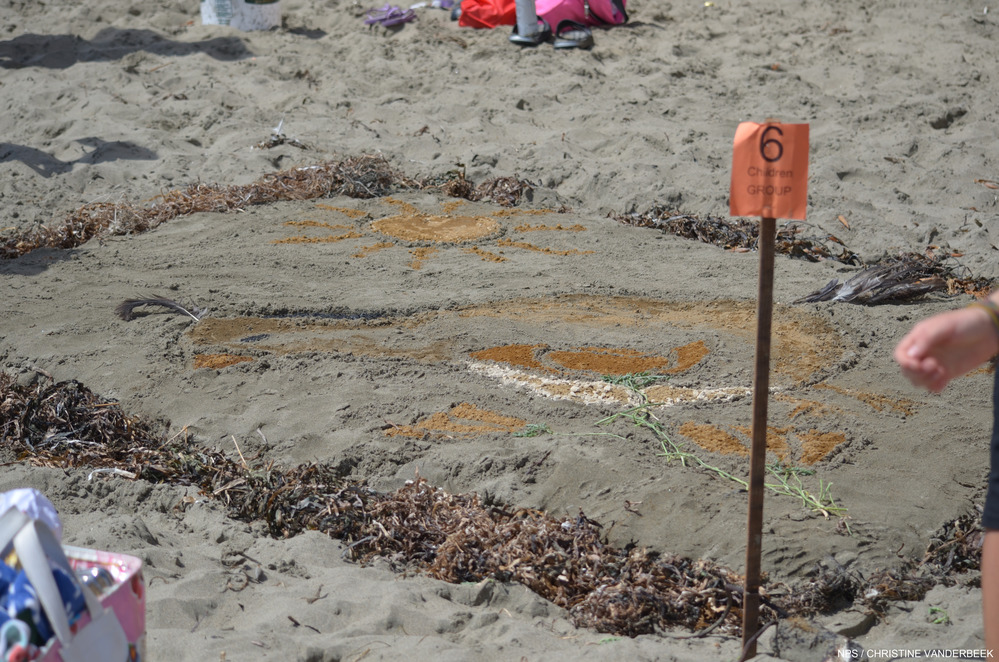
(446, 227)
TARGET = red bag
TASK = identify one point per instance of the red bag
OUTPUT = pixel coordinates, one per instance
(588, 12)
(487, 13)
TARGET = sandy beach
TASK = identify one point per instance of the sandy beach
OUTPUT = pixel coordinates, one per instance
(492, 348)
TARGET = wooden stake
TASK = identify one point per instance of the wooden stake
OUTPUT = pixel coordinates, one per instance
(758, 454)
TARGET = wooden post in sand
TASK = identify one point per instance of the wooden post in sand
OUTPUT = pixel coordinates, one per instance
(769, 180)
(758, 452)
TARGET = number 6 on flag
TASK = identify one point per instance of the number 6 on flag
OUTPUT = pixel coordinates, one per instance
(770, 170)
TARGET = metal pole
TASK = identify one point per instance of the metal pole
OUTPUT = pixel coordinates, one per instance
(758, 454)
(527, 24)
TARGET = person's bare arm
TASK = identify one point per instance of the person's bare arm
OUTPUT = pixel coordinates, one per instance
(948, 345)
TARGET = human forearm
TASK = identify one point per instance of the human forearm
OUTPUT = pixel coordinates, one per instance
(950, 344)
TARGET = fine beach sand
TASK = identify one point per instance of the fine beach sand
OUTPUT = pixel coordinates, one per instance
(109, 101)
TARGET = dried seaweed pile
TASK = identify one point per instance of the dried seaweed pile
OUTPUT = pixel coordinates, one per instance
(504, 191)
(356, 177)
(451, 537)
(361, 177)
(891, 280)
(741, 234)
(957, 547)
(628, 592)
(67, 416)
(66, 425)
(956, 550)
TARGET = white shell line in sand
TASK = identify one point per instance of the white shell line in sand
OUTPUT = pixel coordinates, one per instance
(590, 392)
(679, 396)
(598, 391)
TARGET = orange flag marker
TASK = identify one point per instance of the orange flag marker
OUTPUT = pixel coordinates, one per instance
(769, 180)
(770, 170)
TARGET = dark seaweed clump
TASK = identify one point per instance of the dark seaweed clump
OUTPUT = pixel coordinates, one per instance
(891, 279)
(454, 538)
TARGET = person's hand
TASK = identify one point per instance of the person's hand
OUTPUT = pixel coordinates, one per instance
(946, 346)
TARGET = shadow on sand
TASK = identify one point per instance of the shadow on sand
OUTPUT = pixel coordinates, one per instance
(64, 50)
(103, 151)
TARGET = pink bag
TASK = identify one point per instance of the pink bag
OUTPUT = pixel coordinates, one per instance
(112, 627)
(126, 600)
(587, 12)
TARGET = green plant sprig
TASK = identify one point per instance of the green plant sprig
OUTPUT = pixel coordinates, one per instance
(788, 478)
(635, 380)
(533, 430)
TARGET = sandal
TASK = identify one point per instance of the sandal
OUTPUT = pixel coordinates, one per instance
(388, 16)
(543, 34)
(570, 34)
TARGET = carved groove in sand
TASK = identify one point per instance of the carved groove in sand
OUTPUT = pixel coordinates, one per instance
(705, 350)
(622, 334)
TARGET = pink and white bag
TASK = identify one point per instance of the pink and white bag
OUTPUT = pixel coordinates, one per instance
(112, 627)
(587, 12)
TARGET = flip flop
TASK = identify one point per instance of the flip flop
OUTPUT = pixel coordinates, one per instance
(388, 16)
(570, 34)
(543, 34)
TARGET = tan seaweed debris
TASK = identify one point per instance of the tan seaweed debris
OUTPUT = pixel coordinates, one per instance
(876, 401)
(356, 177)
(346, 211)
(373, 248)
(420, 256)
(740, 234)
(451, 537)
(487, 256)
(893, 279)
(317, 224)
